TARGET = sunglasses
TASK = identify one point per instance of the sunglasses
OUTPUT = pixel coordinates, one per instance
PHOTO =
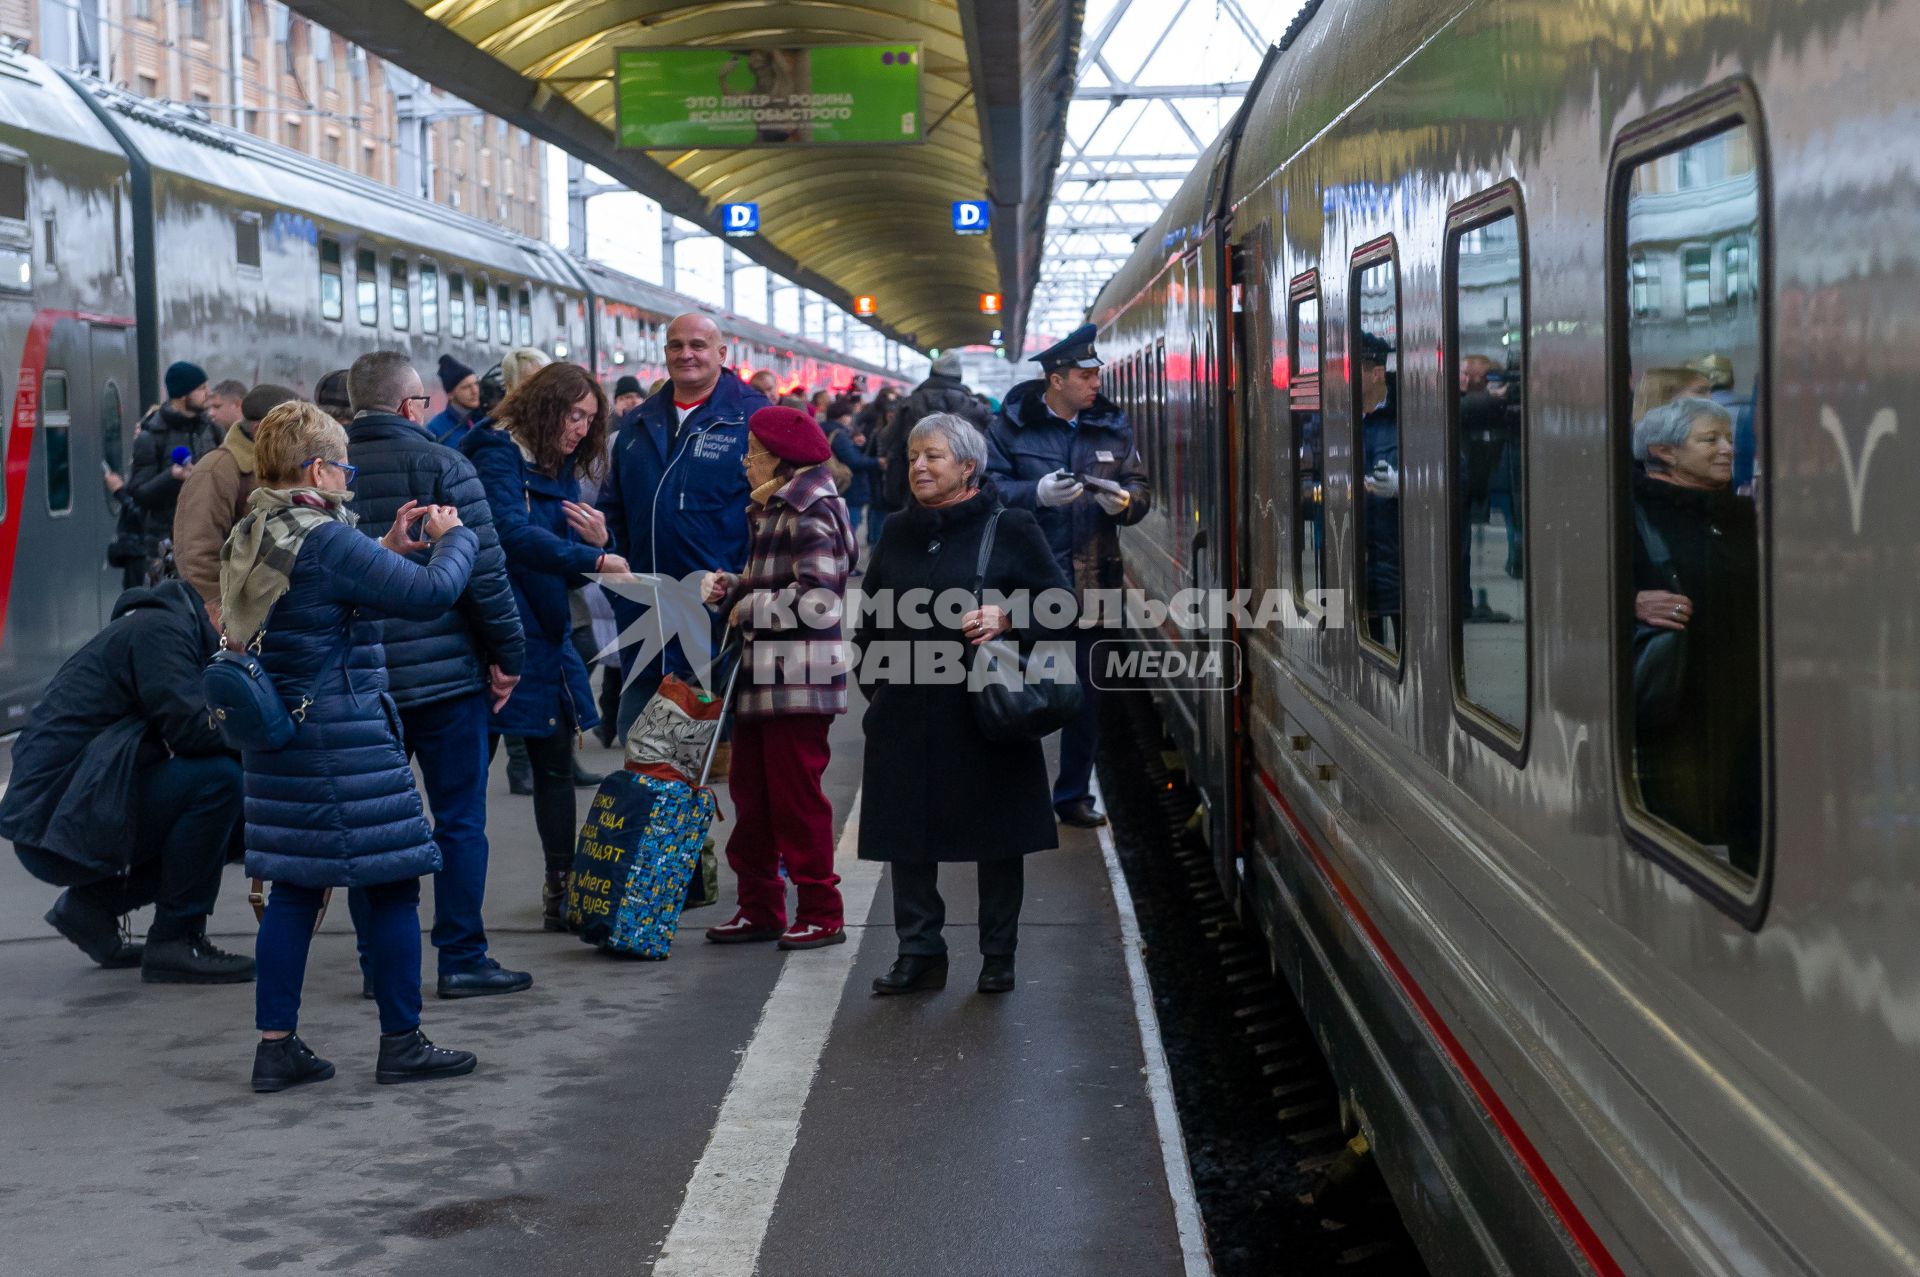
(352, 472)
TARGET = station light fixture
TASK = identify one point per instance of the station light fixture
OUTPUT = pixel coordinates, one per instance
(864, 306)
(989, 303)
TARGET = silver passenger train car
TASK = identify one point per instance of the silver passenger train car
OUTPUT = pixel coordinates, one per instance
(134, 233)
(1619, 974)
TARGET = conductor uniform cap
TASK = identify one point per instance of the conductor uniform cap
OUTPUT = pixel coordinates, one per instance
(1074, 351)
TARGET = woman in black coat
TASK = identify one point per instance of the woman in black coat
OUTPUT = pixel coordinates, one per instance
(935, 789)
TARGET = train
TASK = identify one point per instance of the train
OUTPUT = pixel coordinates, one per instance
(136, 232)
(1600, 998)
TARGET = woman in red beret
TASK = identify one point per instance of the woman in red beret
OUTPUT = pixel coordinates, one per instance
(788, 606)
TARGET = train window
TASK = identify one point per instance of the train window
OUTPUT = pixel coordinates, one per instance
(1690, 466)
(246, 240)
(457, 305)
(49, 240)
(429, 298)
(399, 300)
(110, 433)
(13, 191)
(1486, 347)
(332, 291)
(1305, 443)
(524, 316)
(481, 331)
(1373, 341)
(16, 238)
(55, 424)
(366, 287)
(503, 315)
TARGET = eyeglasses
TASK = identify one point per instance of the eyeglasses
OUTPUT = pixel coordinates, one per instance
(422, 400)
(352, 472)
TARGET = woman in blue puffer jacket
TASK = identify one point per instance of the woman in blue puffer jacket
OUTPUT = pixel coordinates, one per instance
(552, 432)
(336, 807)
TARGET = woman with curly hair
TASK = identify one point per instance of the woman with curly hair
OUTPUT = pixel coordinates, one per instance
(550, 432)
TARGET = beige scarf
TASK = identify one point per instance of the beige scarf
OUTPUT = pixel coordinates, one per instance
(256, 563)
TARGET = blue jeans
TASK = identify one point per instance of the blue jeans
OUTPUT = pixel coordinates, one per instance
(388, 921)
(1079, 738)
(449, 738)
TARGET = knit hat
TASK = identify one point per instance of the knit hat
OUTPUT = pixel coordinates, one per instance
(790, 435)
(452, 373)
(263, 399)
(627, 385)
(184, 378)
(949, 365)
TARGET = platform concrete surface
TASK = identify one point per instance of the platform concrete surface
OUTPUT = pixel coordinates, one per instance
(786, 1124)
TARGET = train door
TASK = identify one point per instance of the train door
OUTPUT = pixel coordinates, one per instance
(109, 441)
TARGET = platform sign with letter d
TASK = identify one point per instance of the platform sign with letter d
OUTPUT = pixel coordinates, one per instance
(740, 219)
(970, 217)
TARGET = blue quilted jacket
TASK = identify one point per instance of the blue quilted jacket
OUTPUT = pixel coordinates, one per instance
(337, 807)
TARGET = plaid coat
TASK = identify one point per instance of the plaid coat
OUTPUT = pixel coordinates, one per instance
(794, 593)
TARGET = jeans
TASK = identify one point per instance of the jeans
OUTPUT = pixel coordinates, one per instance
(189, 809)
(449, 740)
(919, 913)
(1080, 737)
(781, 816)
(389, 926)
(554, 814)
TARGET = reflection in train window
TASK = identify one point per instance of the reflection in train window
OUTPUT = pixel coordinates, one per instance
(13, 191)
(399, 300)
(525, 318)
(16, 240)
(110, 434)
(457, 305)
(246, 239)
(55, 424)
(366, 287)
(1373, 357)
(1488, 347)
(1693, 468)
(481, 330)
(332, 291)
(503, 315)
(429, 298)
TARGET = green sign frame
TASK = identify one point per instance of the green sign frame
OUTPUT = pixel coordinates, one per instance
(708, 97)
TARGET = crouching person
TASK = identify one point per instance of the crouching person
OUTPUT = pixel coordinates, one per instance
(335, 807)
(123, 794)
(802, 548)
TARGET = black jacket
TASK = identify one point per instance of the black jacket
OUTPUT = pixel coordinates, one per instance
(125, 701)
(151, 480)
(935, 394)
(436, 660)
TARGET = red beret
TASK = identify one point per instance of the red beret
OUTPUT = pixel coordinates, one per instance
(790, 435)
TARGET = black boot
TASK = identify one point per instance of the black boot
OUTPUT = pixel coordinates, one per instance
(95, 931)
(279, 1063)
(553, 900)
(519, 767)
(913, 973)
(409, 1057)
(996, 974)
(584, 779)
(192, 960)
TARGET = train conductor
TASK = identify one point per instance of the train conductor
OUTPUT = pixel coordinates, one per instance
(1065, 451)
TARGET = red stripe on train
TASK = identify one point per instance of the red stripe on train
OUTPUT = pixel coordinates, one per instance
(20, 426)
(1583, 1234)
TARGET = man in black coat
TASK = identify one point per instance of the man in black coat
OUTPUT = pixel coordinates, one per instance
(942, 391)
(157, 474)
(444, 674)
(123, 793)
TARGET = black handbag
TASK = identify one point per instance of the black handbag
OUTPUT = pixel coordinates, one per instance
(1007, 705)
(1659, 655)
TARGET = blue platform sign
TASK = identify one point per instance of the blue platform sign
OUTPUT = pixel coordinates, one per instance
(970, 217)
(740, 219)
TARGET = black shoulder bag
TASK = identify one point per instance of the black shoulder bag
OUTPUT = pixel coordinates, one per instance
(1007, 705)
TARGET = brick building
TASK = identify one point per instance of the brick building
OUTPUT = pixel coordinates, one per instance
(258, 66)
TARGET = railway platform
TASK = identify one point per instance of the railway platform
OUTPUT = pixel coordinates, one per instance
(730, 1110)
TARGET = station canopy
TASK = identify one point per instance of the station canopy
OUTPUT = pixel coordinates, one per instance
(869, 219)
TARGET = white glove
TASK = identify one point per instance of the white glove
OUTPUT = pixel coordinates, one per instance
(1384, 482)
(1058, 489)
(1113, 502)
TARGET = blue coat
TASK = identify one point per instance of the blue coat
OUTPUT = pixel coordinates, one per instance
(545, 558)
(337, 806)
(851, 455)
(450, 425)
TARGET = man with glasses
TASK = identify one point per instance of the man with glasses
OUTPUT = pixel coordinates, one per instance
(446, 673)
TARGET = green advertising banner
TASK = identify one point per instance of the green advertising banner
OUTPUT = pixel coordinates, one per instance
(682, 98)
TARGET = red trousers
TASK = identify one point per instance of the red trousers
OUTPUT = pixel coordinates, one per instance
(782, 816)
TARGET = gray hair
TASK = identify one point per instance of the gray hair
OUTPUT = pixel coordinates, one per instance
(1670, 425)
(378, 380)
(967, 443)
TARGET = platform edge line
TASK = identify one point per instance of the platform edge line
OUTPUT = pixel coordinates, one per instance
(1196, 1258)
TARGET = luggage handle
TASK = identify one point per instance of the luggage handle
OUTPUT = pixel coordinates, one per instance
(726, 708)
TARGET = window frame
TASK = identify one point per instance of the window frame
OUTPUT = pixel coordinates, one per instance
(16, 234)
(366, 274)
(1729, 104)
(480, 320)
(255, 268)
(1385, 249)
(1512, 742)
(1305, 287)
(457, 305)
(503, 315)
(523, 317)
(399, 294)
(339, 274)
(429, 307)
(48, 425)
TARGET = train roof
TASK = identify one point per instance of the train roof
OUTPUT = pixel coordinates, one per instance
(35, 101)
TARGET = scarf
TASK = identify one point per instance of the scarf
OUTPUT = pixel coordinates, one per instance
(256, 563)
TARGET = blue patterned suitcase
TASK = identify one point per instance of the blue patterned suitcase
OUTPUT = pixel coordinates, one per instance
(638, 849)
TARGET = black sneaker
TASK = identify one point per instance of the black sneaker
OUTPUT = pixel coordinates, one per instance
(484, 980)
(95, 932)
(409, 1057)
(192, 960)
(283, 1062)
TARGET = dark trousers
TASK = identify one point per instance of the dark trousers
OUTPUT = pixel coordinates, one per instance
(919, 913)
(388, 922)
(782, 816)
(1081, 737)
(449, 740)
(876, 520)
(554, 814)
(189, 809)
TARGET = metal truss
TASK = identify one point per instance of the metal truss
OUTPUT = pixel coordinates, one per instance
(1137, 123)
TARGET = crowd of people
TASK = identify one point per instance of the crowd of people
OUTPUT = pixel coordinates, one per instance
(422, 587)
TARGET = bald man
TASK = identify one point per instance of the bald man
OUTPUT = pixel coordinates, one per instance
(676, 497)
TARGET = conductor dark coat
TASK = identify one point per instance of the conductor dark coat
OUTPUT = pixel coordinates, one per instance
(934, 788)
